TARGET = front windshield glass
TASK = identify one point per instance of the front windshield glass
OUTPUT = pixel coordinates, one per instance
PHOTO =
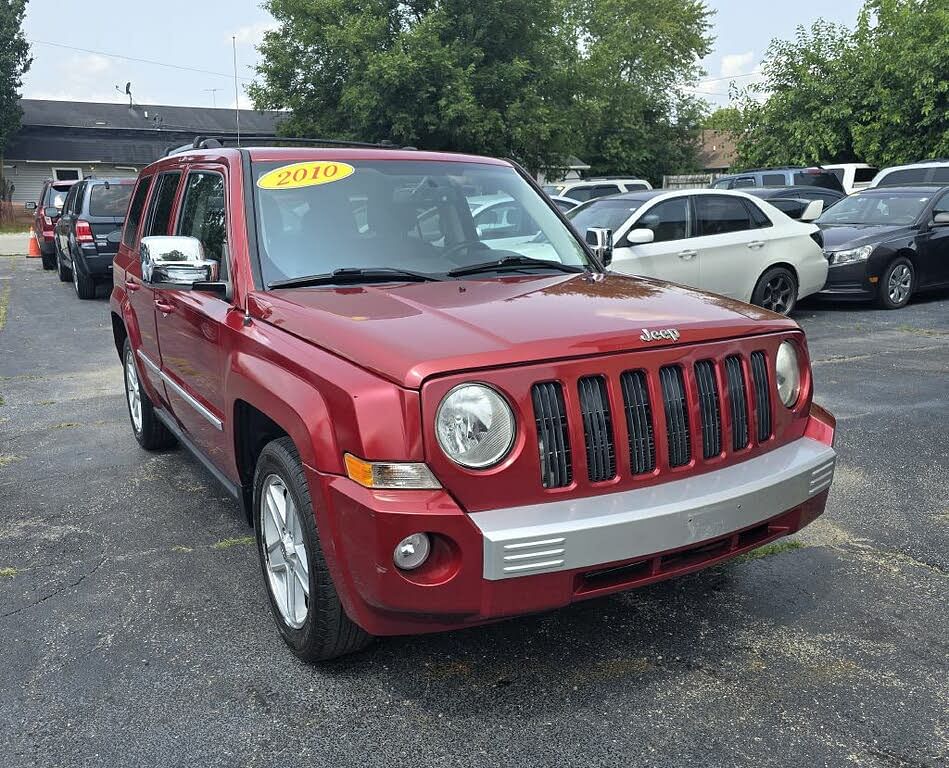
(423, 216)
(605, 213)
(895, 209)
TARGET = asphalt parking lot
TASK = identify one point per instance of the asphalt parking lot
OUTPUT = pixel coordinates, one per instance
(135, 630)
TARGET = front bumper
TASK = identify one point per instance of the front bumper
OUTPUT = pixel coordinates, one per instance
(849, 280)
(499, 563)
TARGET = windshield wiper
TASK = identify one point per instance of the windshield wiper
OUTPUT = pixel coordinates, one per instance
(513, 263)
(355, 275)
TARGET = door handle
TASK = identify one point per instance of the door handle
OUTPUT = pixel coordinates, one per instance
(131, 285)
(688, 255)
(164, 307)
(755, 244)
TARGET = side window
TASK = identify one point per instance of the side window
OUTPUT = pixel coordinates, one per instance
(203, 215)
(162, 201)
(940, 176)
(582, 194)
(942, 205)
(718, 215)
(604, 190)
(744, 181)
(134, 217)
(669, 220)
(723, 184)
(70, 203)
(773, 180)
(636, 187)
(504, 220)
(758, 218)
(907, 176)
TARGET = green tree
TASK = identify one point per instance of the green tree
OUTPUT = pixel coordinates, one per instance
(530, 79)
(14, 62)
(877, 93)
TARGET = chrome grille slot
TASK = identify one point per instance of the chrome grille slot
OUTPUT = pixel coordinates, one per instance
(677, 415)
(737, 401)
(642, 439)
(709, 408)
(597, 428)
(759, 372)
(550, 414)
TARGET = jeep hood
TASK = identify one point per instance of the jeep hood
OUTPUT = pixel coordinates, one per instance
(409, 332)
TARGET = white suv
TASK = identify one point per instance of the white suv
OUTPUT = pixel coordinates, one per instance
(582, 190)
(927, 172)
(853, 176)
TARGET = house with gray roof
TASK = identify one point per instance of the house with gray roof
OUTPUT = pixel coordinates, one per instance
(66, 140)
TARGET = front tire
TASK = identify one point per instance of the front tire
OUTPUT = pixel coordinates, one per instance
(776, 290)
(896, 284)
(303, 599)
(148, 429)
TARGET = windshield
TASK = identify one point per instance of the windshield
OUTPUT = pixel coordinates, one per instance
(111, 200)
(605, 214)
(315, 217)
(895, 209)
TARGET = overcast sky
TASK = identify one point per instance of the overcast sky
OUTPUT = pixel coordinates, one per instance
(197, 36)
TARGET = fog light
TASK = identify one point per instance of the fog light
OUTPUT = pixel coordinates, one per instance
(412, 551)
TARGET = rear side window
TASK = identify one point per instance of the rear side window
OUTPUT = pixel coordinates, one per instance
(718, 215)
(162, 203)
(940, 176)
(69, 206)
(861, 175)
(744, 181)
(758, 218)
(824, 179)
(636, 187)
(582, 194)
(773, 180)
(134, 217)
(111, 201)
(203, 215)
(906, 176)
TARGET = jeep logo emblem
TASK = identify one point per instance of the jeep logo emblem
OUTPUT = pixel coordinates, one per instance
(672, 334)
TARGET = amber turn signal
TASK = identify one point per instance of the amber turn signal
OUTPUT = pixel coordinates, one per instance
(383, 475)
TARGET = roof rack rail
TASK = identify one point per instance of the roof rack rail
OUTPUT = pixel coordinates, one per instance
(215, 142)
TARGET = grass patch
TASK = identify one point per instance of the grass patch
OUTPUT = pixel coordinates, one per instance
(2, 401)
(7, 458)
(182, 549)
(228, 543)
(771, 549)
(4, 303)
(8, 573)
(919, 331)
(46, 402)
(66, 425)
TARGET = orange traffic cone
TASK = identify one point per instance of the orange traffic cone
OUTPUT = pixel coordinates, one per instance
(34, 252)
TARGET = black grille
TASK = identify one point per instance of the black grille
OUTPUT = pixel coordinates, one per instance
(759, 372)
(737, 403)
(677, 416)
(556, 470)
(597, 428)
(709, 408)
(642, 439)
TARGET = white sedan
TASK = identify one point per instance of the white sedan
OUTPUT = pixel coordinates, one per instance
(721, 241)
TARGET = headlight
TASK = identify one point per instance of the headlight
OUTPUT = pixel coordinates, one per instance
(852, 256)
(474, 426)
(788, 371)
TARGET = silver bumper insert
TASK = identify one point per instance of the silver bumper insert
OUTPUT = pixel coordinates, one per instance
(580, 533)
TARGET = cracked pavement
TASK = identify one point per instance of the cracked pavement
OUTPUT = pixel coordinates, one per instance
(128, 639)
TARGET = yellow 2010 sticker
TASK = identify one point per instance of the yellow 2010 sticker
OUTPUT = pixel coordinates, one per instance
(307, 174)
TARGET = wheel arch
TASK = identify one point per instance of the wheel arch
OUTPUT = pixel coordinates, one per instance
(786, 265)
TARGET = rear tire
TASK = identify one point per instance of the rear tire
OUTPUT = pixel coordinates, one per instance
(48, 259)
(151, 434)
(85, 286)
(312, 620)
(65, 273)
(897, 284)
(776, 290)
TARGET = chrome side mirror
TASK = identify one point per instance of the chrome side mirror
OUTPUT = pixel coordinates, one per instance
(30, 206)
(176, 262)
(601, 242)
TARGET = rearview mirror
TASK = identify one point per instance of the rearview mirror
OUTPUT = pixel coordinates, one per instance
(814, 209)
(941, 219)
(640, 236)
(30, 206)
(176, 262)
(601, 242)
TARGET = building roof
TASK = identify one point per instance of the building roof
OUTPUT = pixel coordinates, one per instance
(148, 117)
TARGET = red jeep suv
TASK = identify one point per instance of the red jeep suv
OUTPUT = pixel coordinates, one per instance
(433, 423)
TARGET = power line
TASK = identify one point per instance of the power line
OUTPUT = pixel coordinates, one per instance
(140, 61)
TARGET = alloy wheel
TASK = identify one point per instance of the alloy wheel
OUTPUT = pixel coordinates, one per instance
(288, 570)
(778, 294)
(133, 391)
(899, 284)
(75, 277)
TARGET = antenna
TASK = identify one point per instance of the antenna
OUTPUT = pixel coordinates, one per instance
(237, 93)
(213, 92)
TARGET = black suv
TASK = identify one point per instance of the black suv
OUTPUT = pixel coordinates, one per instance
(87, 234)
(781, 177)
